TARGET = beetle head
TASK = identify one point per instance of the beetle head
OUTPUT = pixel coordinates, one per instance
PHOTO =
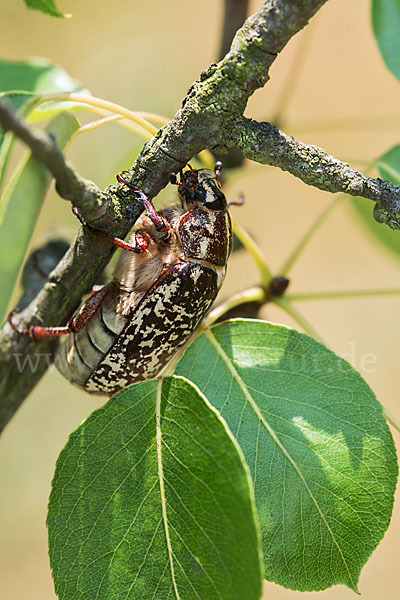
(201, 186)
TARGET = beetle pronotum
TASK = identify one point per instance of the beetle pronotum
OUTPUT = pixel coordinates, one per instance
(167, 276)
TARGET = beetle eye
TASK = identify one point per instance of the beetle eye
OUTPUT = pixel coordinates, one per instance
(199, 194)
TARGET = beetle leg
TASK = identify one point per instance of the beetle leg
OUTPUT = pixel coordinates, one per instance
(88, 309)
(36, 332)
(160, 223)
(86, 312)
(238, 202)
(96, 288)
(36, 265)
(117, 241)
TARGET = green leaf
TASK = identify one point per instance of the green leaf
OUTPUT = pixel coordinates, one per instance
(37, 75)
(20, 207)
(389, 168)
(320, 453)
(151, 498)
(21, 82)
(45, 6)
(389, 165)
(386, 26)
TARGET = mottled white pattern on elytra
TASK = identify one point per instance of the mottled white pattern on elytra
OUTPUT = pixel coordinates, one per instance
(171, 324)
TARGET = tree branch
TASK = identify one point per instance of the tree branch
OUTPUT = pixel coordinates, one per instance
(207, 119)
(215, 102)
(265, 143)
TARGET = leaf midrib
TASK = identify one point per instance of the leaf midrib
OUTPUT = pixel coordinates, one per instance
(162, 487)
(212, 339)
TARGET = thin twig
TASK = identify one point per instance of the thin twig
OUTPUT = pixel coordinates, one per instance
(71, 186)
(292, 77)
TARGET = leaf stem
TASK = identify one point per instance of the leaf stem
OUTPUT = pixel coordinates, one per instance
(391, 419)
(308, 235)
(253, 294)
(341, 294)
(110, 119)
(255, 251)
(293, 74)
(138, 117)
(288, 307)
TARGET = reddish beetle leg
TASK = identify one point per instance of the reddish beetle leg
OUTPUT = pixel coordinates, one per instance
(36, 332)
(141, 241)
(159, 222)
(86, 312)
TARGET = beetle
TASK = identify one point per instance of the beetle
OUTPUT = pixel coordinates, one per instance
(167, 277)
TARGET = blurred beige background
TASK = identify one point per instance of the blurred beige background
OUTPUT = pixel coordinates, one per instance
(145, 55)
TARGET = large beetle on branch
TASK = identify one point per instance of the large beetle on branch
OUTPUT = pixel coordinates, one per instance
(167, 277)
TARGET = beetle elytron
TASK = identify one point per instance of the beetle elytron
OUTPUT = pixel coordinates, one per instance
(166, 279)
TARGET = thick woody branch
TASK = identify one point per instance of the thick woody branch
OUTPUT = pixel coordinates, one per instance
(215, 102)
(82, 192)
(265, 143)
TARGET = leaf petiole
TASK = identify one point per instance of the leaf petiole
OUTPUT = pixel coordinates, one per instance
(253, 248)
(288, 307)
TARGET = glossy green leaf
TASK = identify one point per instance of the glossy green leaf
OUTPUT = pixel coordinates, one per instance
(45, 6)
(151, 498)
(389, 168)
(37, 75)
(386, 26)
(320, 453)
(20, 207)
(21, 82)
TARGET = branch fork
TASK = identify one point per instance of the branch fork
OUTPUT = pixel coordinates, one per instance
(211, 116)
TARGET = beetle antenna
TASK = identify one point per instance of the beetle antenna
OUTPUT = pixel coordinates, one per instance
(217, 170)
(174, 180)
(121, 179)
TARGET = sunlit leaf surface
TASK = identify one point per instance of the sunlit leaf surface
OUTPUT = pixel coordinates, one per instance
(319, 450)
